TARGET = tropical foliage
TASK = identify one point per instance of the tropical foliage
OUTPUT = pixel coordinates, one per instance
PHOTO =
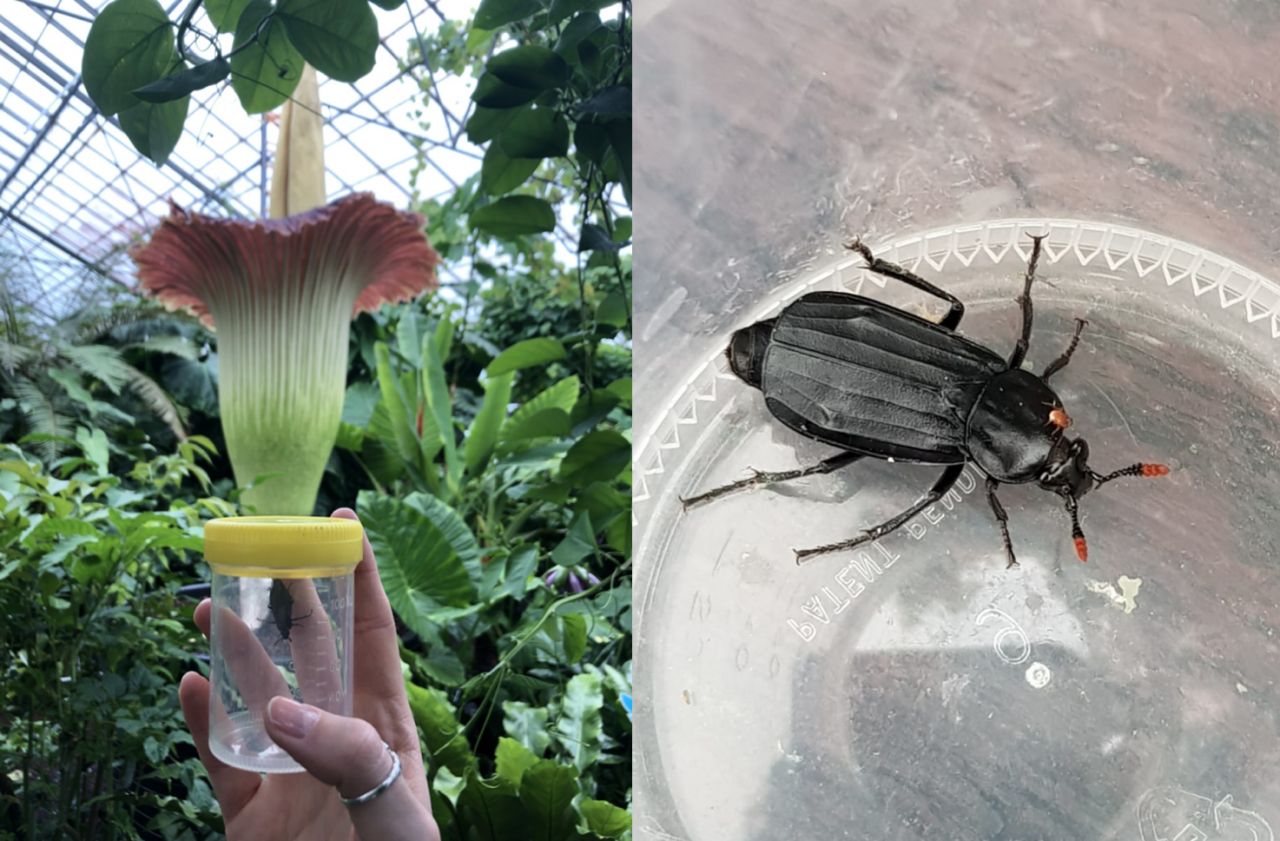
(143, 67)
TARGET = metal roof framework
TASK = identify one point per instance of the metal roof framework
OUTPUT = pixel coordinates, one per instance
(74, 194)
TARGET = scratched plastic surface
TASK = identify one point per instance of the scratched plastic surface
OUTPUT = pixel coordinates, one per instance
(919, 689)
(273, 637)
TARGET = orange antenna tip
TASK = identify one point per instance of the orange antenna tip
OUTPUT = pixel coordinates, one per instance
(1149, 470)
(1082, 549)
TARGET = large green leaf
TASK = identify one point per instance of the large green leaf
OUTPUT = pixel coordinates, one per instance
(578, 727)
(442, 736)
(613, 310)
(130, 44)
(491, 811)
(598, 455)
(607, 104)
(193, 384)
(622, 390)
(573, 635)
(532, 428)
(266, 71)
(592, 141)
(602, 502)
(495, 13)
(530, 66)
(409, 329)
(511, 760)
(492, 92)
(95, 447)
(357, 411)
(596, 238)
(536, 133)
(395, 400)
(185, 82)
(427, 556)
(523, 423)
(154, 130)
(619, 132)
(483, 434)
(500, 173)
(578, 543)
(514, 216)
(378, 449)
(519, 568)
(603, 818)
(337, 37)
(583, 25)
(66, 545)
(359, 402)
(439, 404)
(225, 13)
(561, 9)
(526, 354)
(547, 790)
(485, 123)
(527, 725)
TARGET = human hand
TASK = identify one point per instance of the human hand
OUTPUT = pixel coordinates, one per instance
(344, 757)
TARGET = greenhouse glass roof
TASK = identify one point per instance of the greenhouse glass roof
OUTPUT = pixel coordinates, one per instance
(74, 194)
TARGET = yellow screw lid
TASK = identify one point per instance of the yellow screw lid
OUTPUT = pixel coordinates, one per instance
(283, 547)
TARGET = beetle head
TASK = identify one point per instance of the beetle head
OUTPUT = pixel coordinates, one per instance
(1067, 469)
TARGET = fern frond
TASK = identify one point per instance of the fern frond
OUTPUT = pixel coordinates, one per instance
(13, 355)
(101, 362)
(42, 415)
(157, 401)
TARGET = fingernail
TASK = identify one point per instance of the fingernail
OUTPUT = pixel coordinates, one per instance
(293, 718)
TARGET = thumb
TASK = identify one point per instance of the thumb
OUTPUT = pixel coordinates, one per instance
(348, 754)
(343, 752)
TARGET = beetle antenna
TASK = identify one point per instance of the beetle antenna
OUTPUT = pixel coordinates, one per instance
(1077, 533)
(1145, 470)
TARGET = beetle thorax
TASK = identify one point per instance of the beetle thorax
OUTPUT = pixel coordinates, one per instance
(1009, 433)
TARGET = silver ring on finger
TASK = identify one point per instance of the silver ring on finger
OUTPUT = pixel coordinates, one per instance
(376, 791)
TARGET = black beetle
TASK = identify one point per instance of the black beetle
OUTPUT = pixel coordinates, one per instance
(280, 603)
(875, 381)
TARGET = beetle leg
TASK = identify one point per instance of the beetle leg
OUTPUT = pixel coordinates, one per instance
(1003, 519)
(893, 270)
(1020, 349)
(1061, 362)
(939, 490)
(761, 477)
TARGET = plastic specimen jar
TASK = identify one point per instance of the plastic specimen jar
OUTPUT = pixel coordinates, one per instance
(281, 625)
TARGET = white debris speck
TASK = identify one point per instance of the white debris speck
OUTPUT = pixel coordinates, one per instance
(952, 686)
(1126, 598)
(1038, 675)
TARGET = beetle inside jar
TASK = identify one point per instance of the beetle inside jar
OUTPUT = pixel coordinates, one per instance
(873, 380)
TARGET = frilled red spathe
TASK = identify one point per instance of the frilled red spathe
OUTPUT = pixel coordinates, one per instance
(191, 259)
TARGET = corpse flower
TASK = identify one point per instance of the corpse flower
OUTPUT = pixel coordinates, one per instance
(281, 294)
